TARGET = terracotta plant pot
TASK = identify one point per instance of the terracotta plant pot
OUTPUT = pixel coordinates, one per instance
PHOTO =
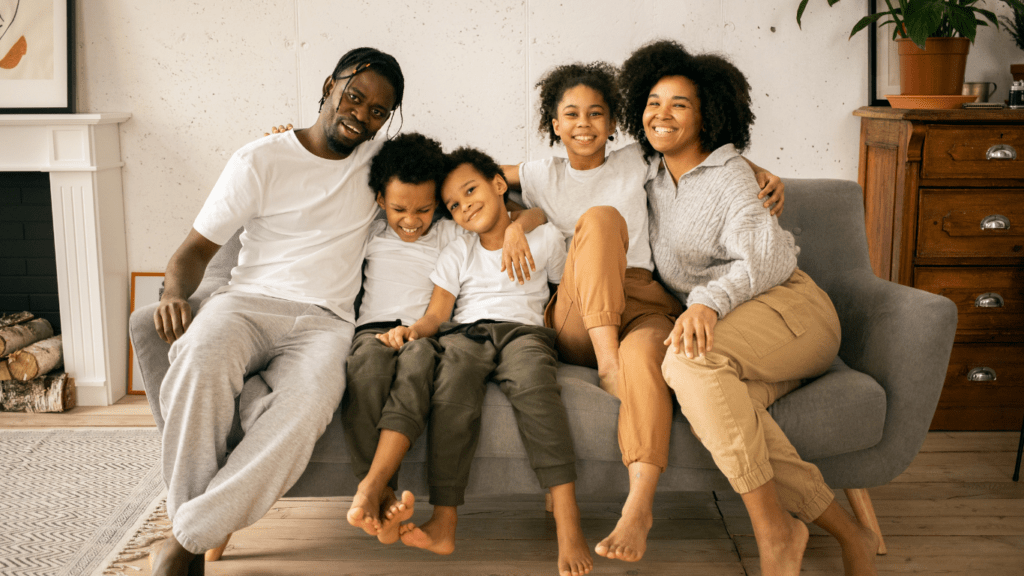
(936, 70)
(1017, 70)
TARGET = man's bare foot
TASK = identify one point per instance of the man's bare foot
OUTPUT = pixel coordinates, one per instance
(436, 535)
(859, 556)
(782, 550)
(628, 541)
(573, 553)
(397, 511)
(367, 505)
(169, 558)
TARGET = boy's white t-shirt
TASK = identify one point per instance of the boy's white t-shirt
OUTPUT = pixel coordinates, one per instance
(397, 274)
(471, 273)
(306, 220)
(564, 194)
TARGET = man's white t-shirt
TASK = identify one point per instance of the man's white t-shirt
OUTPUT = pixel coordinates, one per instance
(397, 273)
(472, 274)
(306, 220)
(564, 194)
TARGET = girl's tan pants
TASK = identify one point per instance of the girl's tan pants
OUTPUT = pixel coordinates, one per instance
(761, 351)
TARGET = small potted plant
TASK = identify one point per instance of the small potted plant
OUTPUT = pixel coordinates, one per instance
(933, 38)
(1015, 26)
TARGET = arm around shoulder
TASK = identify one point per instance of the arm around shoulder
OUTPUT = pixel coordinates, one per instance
(184, 273)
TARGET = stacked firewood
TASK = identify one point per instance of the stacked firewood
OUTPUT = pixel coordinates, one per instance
(31, 358)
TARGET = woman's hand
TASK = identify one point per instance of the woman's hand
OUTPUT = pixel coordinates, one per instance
(772, 187)
(516, 257)
(397, 336)
(278, 129)
(696, 329)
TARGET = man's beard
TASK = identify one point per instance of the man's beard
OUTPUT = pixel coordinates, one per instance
(337, 145)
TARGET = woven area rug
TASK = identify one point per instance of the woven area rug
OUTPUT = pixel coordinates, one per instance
(70, 497)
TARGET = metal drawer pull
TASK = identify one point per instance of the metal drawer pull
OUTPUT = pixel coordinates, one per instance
(989, 300)
(1001, 152)
(995, 222)
(983, 374)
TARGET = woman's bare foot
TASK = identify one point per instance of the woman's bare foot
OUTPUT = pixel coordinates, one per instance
(782, 550)
(628, 541)
(397, 512)
(859, 554)
(170, 558)
(436, 535)
(573, 553)
(367, 506)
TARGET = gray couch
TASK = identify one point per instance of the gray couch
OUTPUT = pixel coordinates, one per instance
(862, 422)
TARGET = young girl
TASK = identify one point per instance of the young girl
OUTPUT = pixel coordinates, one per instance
(609, 312)
(734, 350)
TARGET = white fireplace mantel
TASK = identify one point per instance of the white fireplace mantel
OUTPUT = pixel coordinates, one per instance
(82, 154)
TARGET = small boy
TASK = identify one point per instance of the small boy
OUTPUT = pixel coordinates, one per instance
(388, 397)
(497, 333)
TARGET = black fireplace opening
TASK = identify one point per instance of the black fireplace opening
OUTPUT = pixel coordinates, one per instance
(28, 262)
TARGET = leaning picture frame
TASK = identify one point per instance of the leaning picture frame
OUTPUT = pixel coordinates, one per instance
(883, 62)
(37, 47)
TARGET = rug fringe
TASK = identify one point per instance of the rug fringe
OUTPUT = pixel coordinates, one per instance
(155, 528)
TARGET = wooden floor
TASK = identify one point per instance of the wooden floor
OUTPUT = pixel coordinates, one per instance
(954, 511)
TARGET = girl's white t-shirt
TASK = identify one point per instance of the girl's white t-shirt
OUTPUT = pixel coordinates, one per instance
(472, 274)
(306, 220)
(564, 194)
(397, 273)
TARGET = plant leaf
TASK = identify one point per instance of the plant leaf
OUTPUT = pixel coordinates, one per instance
(865, 22)
(922, 19)
(800, 13)
(988, 14)
(962, 21)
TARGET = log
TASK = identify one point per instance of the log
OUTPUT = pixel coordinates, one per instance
(37, 359)
(51, 393)
(5, 374)
(14, 338)
(16, 318)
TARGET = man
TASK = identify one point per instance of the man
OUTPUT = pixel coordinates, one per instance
(284, 322)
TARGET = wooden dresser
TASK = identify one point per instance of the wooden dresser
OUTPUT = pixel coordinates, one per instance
(944, 208)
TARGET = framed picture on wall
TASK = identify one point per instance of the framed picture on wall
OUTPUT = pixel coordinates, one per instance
(883, 61)
(37, 57)
(146, 288)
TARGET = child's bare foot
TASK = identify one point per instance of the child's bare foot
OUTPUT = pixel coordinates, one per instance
(367, 505)
(397, 511)
(859, 556)
(436, 535)
(573, 553)
(782, 550)
(628, 541)
(169, 558)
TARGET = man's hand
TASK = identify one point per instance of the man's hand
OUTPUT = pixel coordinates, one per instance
(772, 187)
(172, 318)
(696, 329)
(516, 257)
(397, 336)
(278, 129)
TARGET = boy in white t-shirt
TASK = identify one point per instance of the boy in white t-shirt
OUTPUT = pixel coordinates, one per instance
(496, 333)
(389, 391)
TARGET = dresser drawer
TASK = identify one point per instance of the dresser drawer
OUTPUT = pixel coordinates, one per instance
(961, 152)
(988, 300)
(984, 389)
(984, 223)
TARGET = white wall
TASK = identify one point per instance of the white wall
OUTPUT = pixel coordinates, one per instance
(202, 78)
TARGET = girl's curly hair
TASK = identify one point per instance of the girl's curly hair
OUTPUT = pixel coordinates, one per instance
(553, 85)
(723, 91)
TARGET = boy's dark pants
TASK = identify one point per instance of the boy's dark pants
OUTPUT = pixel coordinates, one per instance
(522, 360)
(388, 389)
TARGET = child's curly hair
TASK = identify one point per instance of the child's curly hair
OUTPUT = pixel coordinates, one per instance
(412, 158)
(723, 91)
(478, 159)
(597, 75)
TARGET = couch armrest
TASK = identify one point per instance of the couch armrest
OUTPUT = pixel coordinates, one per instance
(902, 337)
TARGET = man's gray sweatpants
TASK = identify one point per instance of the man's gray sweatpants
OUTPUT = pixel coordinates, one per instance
(294, 351)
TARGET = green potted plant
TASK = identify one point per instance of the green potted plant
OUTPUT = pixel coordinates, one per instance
(1015, 26)
(933, 38)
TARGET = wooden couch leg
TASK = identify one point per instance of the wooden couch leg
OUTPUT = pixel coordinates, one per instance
(214, 554)
(860, 501)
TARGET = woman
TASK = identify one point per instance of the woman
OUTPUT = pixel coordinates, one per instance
(755, 325)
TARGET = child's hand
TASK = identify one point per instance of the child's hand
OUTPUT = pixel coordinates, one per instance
(772, 187)
(278, 129)
(516, 257)
(397, 336)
